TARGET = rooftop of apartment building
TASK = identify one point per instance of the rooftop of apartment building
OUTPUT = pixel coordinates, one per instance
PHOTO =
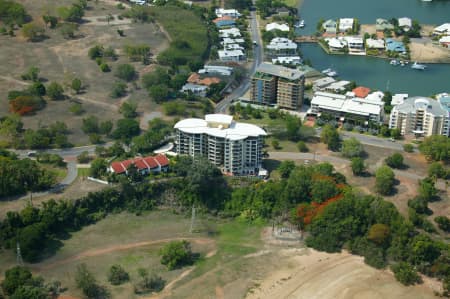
(219, 125)
(410, 105)
(280, 71)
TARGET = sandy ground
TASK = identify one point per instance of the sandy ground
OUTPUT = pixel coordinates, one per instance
(312, 274)
(424, 50)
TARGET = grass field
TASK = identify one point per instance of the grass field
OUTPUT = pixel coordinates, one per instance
(62, 60)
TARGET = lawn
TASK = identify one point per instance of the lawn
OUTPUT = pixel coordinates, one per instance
(191, 30)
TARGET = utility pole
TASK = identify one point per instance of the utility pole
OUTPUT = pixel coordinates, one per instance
(19, 255)
(191, 230)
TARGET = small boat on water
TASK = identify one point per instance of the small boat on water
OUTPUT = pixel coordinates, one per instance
(300, 24)
(394, 62)
(330, 72)
(418, 66)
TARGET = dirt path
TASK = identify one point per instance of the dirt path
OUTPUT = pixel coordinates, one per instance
(114, 248)
(16, 81)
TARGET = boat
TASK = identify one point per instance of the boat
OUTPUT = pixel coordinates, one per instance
(394, 62)
(300, 24)
(402, 63)
(330, 72)
(418, 66)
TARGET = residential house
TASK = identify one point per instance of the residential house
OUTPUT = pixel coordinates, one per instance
(337, 44)
(445, 41)
(375, 44)
(276, 26)
(346, 24)
(195, 78)
(145, 165)
(283, 11)
(443, 29)
(196, 89)
(230, 32)
(234, 47)
(227, 40)
(322, 83)
(405, 23)
(231, 55)
(330, 26)
(383, 24)
(282, 46)
(355, 44)
(398, 98)
(338, 86)
(216, 69)
(395, 46)
(224, 22)
(232, 13)
(293, 60)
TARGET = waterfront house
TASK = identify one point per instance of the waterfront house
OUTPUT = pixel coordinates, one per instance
(339, 86)
(398, 98)
(330, 26)
(395, 46)
(375, 44)
(322, 83)
(383, 24)
(405, 23)
(233, 13)
(283, 12)
(293, 60)
(443, 29)
(346, 24)
(282, 46)
(336, 44)
(445, 41)
(231, 55)
(224, 22)
(355, 44)
(276, 26)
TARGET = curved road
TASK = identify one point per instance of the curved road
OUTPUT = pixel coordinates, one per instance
(222, 106)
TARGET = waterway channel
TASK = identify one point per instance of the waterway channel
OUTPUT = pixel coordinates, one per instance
(374, 72)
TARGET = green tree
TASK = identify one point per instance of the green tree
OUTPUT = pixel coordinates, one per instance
(29, 291)
(352, 148)
(275, 144)
(83, 157)
(119, 90)
(379, 233)
(96, 52)
(436, 148)
(128, 109)
(76, 85)
(176, 254)
(321, 190)
(384, 180)
(405, 273)
(68, 30)
(117, 275)
(408, 147)
(436, 170)
(427, 189)
(51, 21)
(15, 278)
(443, 222)
(55, 91)
(330, 136)
(358, 166)
(98, 168)
(37, 89)
(159, 92)
(90, 125)
(126, 72)
(395, 160)
(32, 74)
(126, 129)
(286, 168)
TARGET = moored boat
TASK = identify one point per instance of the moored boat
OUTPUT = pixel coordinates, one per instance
(418, 66)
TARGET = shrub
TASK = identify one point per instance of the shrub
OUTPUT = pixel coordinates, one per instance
(408, 147)
(119, 90)
(83, 157)
(405, 273)
(358, 166)
(55, 91)
(176, 254)
(395, 160)
(96, 52)
(352, 148)
(126, 72)
(301, 146)
(443, 223)
(117, 275)
(276, 144)
(23, 105)
(104, 67)
(384, 180)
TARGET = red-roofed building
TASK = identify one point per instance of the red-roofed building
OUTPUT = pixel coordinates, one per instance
(361, 92)
(194, 78)
(144, 165)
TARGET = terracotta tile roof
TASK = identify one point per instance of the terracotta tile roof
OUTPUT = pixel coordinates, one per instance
(224, 18)
(162, 160)
(361, 92)
(140, 163)
(194, 78)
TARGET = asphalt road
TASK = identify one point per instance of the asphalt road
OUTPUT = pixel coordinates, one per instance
(222, 106)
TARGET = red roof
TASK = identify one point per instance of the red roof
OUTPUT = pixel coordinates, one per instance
(162, 160)
(140, 163)
(361, 92)
(224, 18)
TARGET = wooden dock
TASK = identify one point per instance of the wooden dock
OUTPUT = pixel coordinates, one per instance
(306, 39)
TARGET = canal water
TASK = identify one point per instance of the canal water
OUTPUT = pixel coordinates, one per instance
(374, 72)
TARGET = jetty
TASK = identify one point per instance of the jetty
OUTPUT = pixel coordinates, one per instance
(306, 39)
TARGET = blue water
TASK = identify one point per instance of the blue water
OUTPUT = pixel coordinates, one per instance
(374, 72)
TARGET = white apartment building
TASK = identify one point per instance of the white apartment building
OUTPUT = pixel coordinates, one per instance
(420, 116)
(347, 108)
(233, 146)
